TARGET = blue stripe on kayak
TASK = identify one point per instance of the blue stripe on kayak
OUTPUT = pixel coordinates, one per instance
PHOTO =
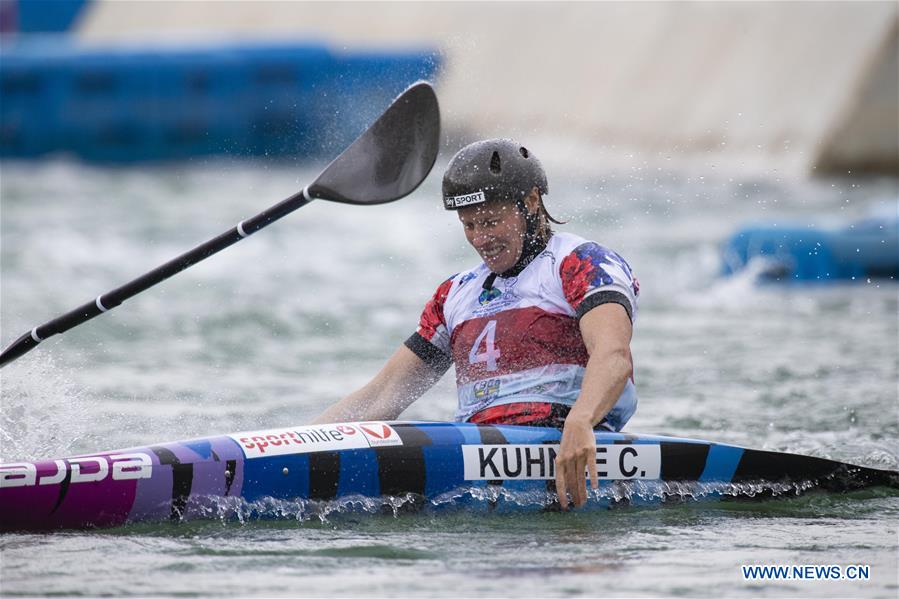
(358, 473)
(443, 465)
(721, 463)
(264, 477)
(444, 435)
(470, 434)
(202, 447)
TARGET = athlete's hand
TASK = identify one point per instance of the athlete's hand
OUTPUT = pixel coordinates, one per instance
(577, 454)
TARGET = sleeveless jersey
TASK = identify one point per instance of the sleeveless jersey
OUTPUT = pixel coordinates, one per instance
(520, 341)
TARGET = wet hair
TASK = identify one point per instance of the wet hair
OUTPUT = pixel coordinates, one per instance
(546, 229)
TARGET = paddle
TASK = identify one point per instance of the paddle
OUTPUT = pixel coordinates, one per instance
(384, 164)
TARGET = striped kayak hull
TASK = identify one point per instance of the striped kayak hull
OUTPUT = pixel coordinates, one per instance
(437, 462)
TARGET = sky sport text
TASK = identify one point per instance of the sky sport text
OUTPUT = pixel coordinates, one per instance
(805, 572)
(468, 199)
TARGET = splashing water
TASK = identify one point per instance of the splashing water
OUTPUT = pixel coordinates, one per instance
(44, 412)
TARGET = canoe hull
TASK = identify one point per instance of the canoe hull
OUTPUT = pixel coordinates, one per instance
(200, 478)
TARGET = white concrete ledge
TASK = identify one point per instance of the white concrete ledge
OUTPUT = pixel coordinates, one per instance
(805, 86)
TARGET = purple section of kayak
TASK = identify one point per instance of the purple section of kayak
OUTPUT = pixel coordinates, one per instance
(208, 480)
(153, 500)
(104, 503)
(64, 504)
(203, 477)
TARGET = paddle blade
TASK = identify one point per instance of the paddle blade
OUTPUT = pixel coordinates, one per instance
(392, 157)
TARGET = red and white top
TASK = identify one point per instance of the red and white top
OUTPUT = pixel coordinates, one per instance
(520, 341)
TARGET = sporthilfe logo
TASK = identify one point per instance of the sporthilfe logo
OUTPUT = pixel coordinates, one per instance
(379, 434)
(307, 439)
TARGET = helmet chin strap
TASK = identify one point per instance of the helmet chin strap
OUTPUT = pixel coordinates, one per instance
(531, 247)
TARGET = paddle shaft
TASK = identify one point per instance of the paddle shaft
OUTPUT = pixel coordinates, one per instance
(111, 299)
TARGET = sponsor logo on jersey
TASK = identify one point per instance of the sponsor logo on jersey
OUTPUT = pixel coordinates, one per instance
(488, 295)
(538, 462)
(464, 200)
(467, 278)
(484, 390)
(307, 439)
(497, 303)
(84, 469)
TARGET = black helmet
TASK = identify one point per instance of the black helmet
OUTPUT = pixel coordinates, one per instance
(493, 169)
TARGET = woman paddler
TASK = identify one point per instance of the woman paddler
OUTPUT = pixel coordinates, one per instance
(539, 332)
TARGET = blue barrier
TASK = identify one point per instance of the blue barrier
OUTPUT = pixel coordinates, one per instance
(860, 251)
(128, 105)
(43, 16)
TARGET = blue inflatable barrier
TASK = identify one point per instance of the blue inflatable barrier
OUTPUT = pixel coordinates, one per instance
(125, 105)
(41, 16)
(863, 250)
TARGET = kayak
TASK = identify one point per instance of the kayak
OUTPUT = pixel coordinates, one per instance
(422, 463)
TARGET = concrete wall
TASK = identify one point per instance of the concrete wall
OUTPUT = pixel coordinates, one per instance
(864, 136)
(794, 87)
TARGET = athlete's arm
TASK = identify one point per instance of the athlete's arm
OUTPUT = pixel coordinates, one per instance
(403, 379)
(606, 330)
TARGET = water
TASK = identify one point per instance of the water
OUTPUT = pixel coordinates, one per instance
(271, 331)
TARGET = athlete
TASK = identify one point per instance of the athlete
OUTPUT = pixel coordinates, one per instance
(539, 332)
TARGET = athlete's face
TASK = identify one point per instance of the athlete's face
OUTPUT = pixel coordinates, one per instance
(496, 232)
